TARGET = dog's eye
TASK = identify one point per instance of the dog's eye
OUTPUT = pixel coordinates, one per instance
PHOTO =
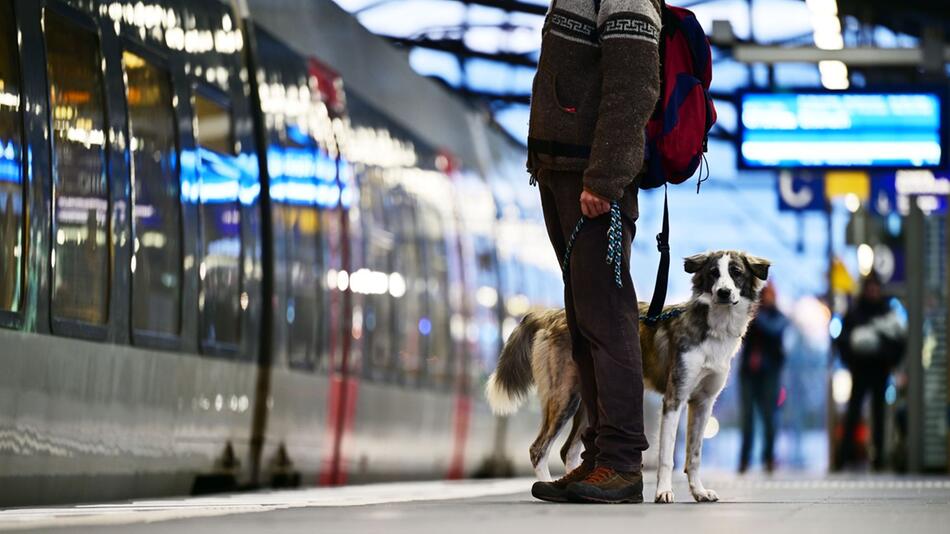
(735, 271)
(714, 271)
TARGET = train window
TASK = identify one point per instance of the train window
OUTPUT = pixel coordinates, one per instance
(220, 299)
(378, 309)
(11, 175)
(80, 256)
(215, 132)
(413, 326)
(439, 347)
(305, 261)
(156, 261)
(299, 257)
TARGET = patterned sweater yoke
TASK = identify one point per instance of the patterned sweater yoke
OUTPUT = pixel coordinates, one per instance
(581, 20)
(596, 86)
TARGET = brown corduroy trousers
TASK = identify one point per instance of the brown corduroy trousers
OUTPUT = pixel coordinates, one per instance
(603, 320)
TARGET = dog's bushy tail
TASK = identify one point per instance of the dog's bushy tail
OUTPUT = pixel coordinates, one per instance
(509, 385)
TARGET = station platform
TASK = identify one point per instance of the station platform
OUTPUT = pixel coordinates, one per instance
(749, 504)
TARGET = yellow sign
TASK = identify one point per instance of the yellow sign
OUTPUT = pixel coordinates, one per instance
(842, 183)
(842, 282)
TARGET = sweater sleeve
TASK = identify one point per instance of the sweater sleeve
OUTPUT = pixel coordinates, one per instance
(630, 85)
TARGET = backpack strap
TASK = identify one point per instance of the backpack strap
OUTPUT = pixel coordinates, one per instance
(663, 271)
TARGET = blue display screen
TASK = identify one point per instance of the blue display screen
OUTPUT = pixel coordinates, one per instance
(833, 130)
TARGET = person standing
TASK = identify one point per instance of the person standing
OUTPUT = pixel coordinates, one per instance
(871, 344)
(597, 84)
(760, 372)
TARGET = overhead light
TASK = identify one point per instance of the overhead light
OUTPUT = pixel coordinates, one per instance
(822, 7)
(518, 305)
(852, 202)
(486, 296)
(827, 31)
(397, 285)
(841, 386)
(712, 428)
(834, 75)
(865, 259)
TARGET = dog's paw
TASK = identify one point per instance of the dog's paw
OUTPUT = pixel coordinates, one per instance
(664, 497)
(705, 495)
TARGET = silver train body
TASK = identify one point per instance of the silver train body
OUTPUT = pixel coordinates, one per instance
(221, 271)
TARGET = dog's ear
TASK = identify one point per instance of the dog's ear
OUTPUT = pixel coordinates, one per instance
(694, 263)
(759, 267)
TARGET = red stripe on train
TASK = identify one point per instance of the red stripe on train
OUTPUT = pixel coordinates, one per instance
(463, 411)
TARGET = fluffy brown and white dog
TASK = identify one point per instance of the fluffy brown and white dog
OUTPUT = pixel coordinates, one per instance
(686, 357)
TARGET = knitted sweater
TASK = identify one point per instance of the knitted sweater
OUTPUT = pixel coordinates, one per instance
(597, 84)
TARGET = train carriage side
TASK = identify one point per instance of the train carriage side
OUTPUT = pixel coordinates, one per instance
(477, 209)
(213, 279)
(307, 357)
(131, 235)
(411, 372)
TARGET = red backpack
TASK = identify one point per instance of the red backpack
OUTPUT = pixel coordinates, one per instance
(677, 131)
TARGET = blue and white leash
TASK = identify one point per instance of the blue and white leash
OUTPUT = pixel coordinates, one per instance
(669, 314)
(614, 244)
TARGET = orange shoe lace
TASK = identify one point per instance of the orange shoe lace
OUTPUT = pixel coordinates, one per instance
(579, 473)
(598, 475)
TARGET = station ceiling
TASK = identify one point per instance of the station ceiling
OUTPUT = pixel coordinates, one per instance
(907, 16)
(487, 50)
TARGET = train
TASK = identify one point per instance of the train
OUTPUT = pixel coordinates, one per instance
(225, 266)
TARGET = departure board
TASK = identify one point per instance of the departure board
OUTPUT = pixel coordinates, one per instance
(841, 130)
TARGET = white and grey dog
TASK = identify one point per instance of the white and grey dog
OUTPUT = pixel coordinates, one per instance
(686, 357)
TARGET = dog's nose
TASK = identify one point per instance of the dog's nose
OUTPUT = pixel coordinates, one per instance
(724, 294)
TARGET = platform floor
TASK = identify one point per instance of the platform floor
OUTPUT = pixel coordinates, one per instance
(751, 504)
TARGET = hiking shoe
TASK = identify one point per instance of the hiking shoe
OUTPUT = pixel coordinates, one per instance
(607, 486)
(556, 491)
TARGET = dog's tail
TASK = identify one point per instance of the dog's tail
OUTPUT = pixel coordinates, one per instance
(511, 382)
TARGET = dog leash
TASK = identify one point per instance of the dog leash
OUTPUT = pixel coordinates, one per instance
(653, 320)
(614, 244)
(615, 256)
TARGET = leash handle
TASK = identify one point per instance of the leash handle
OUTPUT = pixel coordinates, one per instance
(614, 244)
(615, 257)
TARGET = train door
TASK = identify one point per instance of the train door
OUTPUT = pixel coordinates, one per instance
(292, 423)
(18, 180)
(335, 178)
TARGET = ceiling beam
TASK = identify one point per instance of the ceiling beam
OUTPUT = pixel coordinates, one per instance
(857, 57)
(513, 6)
(457, 47)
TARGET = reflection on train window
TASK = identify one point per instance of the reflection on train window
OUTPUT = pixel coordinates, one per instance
(306, 262)
(300, 226)
(378, 310)
(81, 195)
(220, 299)
(299, 257)
(439, 353)
(295, 166)
(11, 178)
(412, 327)
(156, 261)
(215, 132)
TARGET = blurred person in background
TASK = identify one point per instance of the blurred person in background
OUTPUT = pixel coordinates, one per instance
(871, 344)
(763, 356)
